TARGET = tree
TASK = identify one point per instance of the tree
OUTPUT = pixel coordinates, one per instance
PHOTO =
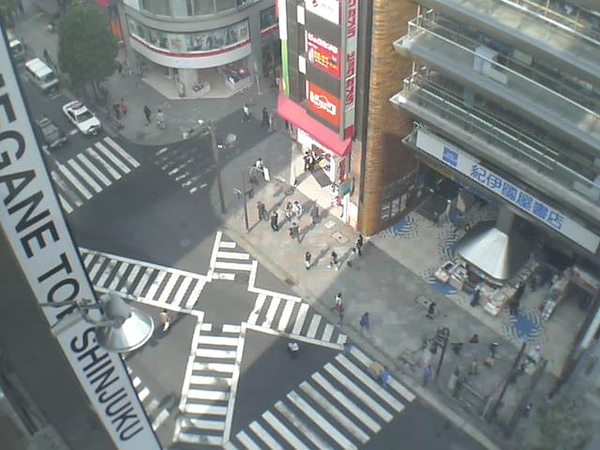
(87, 51)
(7, 8)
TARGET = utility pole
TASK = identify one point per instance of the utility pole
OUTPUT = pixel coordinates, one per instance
(507, 382)
(215, 149)
(442, 337)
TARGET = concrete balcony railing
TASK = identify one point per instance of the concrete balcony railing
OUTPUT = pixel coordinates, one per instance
(517, 153)
(475, 66)
(569, 40)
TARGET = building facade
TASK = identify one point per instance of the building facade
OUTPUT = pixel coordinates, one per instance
(202, 46)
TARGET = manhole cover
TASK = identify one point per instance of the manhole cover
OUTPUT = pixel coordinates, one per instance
(339, 237)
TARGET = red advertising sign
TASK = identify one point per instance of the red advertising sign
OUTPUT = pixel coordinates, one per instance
(323, 55)
(323, 104)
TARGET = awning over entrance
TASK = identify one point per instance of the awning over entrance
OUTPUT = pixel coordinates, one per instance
(297, 116)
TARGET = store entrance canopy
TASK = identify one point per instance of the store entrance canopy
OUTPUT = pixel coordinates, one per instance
(297, 116)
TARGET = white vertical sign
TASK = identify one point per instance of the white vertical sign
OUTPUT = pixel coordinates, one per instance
(35, 227)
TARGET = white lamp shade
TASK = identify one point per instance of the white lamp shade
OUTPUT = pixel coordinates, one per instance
(135, 331)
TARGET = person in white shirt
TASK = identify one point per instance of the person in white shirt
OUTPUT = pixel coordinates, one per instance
(297, 208)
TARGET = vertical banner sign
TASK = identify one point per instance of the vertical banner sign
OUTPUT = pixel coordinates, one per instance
(283, 36)
(349, 94)
(323, 55)
(31, 218)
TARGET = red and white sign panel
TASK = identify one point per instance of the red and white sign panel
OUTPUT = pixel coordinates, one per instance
(323, 104)
(351, 21)
(326, 9)
(323, 55)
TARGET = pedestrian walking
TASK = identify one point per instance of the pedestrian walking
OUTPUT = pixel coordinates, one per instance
(359, 244)
(352, 257)
(164, 320)
(337, 302)
(297, 209)
(384, 376)
(474, 339)
(271, 122)
(306, 159)
(307, 259)
(427, 374)
(265, 118)
(365, 322)
(47, 56)
(476, 296)
(123, 106)
(493, 349)
(160, 119)
(259, 165)
(289, 211)
(262, 211)
(527, 410)
(147, 114)
(275, 221)
(246, 111)
(335, 262)
(119, 67)
(117, 111)
(430, 311)
(295, 231)
(314, 214)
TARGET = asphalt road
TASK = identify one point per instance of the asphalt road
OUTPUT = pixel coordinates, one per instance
(151, 206)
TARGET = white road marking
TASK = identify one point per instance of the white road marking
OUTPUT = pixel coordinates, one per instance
(215, 250)
(136, 382)
(313, 437)
(271, 312)
(118, 276)
(211, 381)
(181, 291)
(285, 432)
(231, 328)
(234, 255)
(99, 262)
(66, 189)
(160, 419)
(342, 339)
(328, 332)
(232, 266)
(370, 383)
(74, 181)
(227, 244)
(206, 424)
(116, 161)
(265, 436)
(247, 442)
(300, 318)
(130, 159)
(199, 439)
(92, 168)
(235, 377)
(201, 394)
(152, 406)
(218, 340)
(347, 403)
(83, 174)
(143, 394)
(314, 326)
(195, 295)
(204, 409)
(214, 353)
(229, 446)
(156, 285)
(166, 292)
(260, 301)
(285, 315)
(95, 156)
(334, 412)
(214, 367)
(65, 205)
(366, 361)
(108, 270)
(128, 284)
(358, 392)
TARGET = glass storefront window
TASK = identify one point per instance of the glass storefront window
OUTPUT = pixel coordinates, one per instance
(268, 18)
(190, 42)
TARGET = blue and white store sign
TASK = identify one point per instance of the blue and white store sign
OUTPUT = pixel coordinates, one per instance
(472, 168)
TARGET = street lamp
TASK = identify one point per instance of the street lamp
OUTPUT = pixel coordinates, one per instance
(215, 149)
(121, 328)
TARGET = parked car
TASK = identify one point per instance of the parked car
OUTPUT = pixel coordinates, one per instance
(50, 134)
(82, 118)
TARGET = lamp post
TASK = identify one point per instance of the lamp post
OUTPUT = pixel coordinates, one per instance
(215, 149)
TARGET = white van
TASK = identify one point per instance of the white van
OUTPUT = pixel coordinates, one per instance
(42, 75)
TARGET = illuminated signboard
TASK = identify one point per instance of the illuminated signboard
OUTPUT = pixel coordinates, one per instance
(351, 18)
(323, 104)
(323, 55)
(34, 225)
(326, 9)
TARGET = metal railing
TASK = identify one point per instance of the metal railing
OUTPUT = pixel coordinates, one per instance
(426, 24)
(519, 145)
(569, 23)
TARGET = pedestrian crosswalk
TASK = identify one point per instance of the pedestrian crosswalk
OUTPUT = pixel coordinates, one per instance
(292, 317)
(227, 261)
(184, 166)
(143, 281)
(206, 404)
(155, 409)
(341, 406)
(90, 172)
